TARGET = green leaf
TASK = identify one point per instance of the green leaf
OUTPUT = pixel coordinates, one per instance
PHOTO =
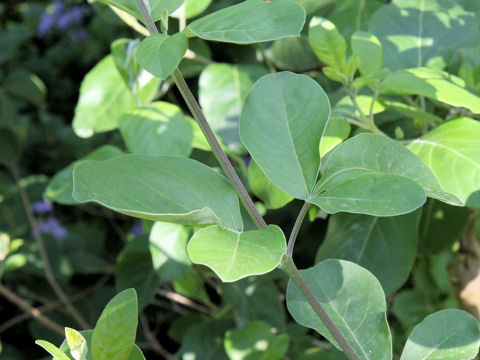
(327, 43)
(284, 54)
(251, 21)
(440, 226)
(256, 298)
(60, 187)
(369, 50)
(192, 8)
(157, 7)
(235, 255)
(264, 189)
(386, 246)
(9, 147)
(168, 246)
(160, 54)
(415, 32)
(375, 175)
(134, 269)
(164, 188)
(160, 129)
(452, 152)
(411, 306)
(205, 341)
(282, 131)
(222, 91)
(52, 350)
(77, 344)
(255, 341)
(114, 335)
(433, 84)
(4, 245)
(354, 300)
(448, 335)
(104, 98)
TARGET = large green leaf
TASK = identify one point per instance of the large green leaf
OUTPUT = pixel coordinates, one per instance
(448, 335)
(157, 7)
(375, 175)
(440, 226)
(60, 187)
(235, 255)
(452, 152)
(354, 300)
(369, 51)
(433, 84)
(255, 341)
(168, 247)
(256, 298)
(104, 97)
(284, 54)
(416, 32)
(386, 246)
(134, 269)
(222, 91)
(164, 188)
(251, 21)
(160, 129)
(327, 43)
(114, 335)
(282, 131)
(160, 54)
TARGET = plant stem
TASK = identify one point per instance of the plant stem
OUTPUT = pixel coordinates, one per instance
(288, 266)
(296, 228)
(22, 304)
(369, 121)
(197, 113)
(43, 252)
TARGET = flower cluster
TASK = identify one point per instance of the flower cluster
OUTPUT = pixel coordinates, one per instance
(51, 225)
(57, 16)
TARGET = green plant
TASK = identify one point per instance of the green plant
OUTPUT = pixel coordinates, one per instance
(417, 137)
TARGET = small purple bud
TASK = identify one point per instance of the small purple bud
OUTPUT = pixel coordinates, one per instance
(137, 229)
(42, 207)
(246, 159)
(53, 227)
(46, 24)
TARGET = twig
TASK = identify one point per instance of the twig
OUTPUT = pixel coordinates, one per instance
(43, 252)
(183, 300)
(296, 228)
(152, 340)
(22, 304)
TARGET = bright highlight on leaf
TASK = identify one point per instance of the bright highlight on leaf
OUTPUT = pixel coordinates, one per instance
(160, 54)
(448, 335)
(354, 300)
(164, 188)
(235, 255)
(251, 21)
(282, 122)
(156, 7)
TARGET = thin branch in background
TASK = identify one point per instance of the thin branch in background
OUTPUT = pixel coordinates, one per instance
(151, 338)
(43, 252)
(183, 300)
(22, 304)
(52, 305)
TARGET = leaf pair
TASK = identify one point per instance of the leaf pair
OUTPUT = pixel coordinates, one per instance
(282, 124)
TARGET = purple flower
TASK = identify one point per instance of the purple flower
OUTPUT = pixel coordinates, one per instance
(70, 17)
(62, 19)
(246, 159)
(137, 229)
(46, 24)
(53, 227)
(42, 207)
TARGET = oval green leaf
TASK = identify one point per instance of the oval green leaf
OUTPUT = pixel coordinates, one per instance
(105, 97)
(452, 152)
(282, 131)
(386, 246)
(369, 50)
(448, 335)
(415, 32)
(77, 344)
(327, 43)
(52, 350)
(235, 255)
(116, 328)
(251, 21)
(160, 129)
(160, 54)
(354, 300)
(164, 188)
(433, 84)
